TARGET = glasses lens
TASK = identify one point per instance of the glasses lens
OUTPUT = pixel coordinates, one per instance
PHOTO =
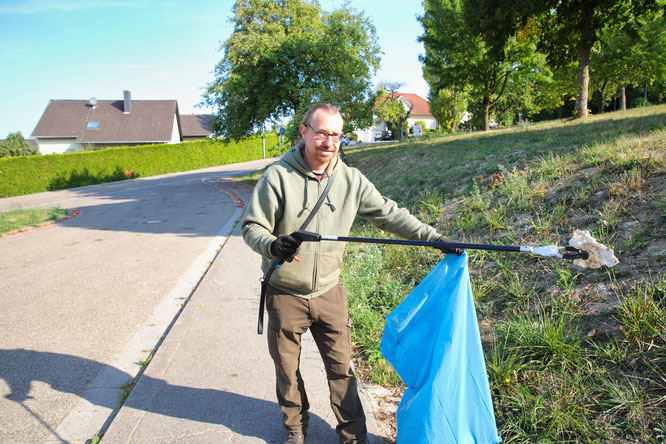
(322, 135)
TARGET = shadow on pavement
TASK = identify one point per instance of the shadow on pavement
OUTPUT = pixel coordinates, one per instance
(190, 204)
(244, 415)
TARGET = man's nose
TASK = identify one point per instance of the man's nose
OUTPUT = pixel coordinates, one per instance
(328, 141)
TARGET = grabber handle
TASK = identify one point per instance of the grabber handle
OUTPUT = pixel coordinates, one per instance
(306, 236)
(575, 253)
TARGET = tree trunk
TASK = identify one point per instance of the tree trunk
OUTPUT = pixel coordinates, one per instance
(600, 101)
(486, 113)
(600, 97)
(403, 119)
(583, 82)
(586, 42)
(623, 99)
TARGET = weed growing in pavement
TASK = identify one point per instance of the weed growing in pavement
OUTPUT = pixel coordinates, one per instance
(125, 390)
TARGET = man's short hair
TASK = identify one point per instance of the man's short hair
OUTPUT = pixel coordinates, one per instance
(329, 108)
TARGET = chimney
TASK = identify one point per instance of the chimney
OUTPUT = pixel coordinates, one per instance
(127, 102)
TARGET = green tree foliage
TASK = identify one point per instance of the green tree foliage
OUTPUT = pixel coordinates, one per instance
(628, 57)
(390, 108)
(284, 55)
(448, 108)
(569, 29)
(460, 59)
(647, 53)
(528, 88)
(16, 145)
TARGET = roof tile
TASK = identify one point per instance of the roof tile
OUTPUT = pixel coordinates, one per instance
(421, 105)
(196, 124)
(149, 121)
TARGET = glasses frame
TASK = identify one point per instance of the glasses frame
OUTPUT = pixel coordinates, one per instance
(322, 135)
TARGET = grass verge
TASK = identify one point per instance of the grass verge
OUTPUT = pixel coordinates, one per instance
(24, 218)
(572, 355)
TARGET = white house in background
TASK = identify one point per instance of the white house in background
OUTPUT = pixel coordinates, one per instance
(71, 125)
(420, 112)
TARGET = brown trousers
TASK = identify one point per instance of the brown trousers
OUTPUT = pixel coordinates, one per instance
(326, 316)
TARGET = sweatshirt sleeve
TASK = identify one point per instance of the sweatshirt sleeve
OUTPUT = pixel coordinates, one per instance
(385, 214)
(262, 213)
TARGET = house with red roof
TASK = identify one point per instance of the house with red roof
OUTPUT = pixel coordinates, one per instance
(420, 112)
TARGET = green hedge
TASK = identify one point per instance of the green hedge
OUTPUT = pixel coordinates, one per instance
(34, 174)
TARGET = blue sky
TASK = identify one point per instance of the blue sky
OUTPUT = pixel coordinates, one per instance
(157, 49)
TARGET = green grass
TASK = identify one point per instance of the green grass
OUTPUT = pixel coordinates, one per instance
(24, 218)
(573, 355)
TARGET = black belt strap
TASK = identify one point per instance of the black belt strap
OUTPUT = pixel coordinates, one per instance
(277, 261)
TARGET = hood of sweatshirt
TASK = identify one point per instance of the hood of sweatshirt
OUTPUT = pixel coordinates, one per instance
(294, 157)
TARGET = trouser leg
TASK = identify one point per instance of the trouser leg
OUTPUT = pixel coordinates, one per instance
(288, 319)
(331, 329)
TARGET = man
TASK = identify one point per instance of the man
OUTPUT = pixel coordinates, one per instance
(306, 293)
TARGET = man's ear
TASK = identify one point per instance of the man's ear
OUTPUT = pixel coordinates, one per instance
(303, 129)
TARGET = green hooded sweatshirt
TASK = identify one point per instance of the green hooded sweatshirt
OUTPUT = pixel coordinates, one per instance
(282, 200)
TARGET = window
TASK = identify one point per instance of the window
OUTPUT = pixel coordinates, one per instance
(93, 124)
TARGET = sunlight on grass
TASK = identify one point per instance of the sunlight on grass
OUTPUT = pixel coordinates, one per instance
(572, 355)
(21, 219)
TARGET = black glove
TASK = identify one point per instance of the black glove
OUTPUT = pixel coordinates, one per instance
(285, 247)
(449, 250)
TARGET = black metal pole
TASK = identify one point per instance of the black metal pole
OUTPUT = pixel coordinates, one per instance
(416, 243)
(570, 252)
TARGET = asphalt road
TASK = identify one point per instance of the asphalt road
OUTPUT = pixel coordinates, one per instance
(74, 294)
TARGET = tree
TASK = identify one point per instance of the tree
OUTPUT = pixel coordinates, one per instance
(628, 57)
(389, 107)
(283, 55)
(530, 86)
(448, 107)
(459, 59)
(16, 145)
(569, 29)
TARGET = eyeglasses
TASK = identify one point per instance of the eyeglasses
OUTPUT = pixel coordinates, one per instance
(322, 135)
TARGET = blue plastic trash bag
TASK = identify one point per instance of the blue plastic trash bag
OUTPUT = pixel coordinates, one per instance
(432, 341)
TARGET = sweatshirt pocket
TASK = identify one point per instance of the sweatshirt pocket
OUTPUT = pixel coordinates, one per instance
(296, 275)
(328, 268)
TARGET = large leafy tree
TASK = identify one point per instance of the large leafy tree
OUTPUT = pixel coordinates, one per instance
(16, 145)
(530, 87)
(569, 29)
(283, 55)
(459, 59)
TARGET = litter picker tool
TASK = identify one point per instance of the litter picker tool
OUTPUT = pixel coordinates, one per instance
(583, 249)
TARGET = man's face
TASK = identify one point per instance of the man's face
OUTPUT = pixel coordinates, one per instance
(318, 153)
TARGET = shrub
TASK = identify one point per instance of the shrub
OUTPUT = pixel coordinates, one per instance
(16, 145)
(26, 175)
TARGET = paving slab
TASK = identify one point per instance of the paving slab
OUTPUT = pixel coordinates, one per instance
(85, 300)
(212, 379)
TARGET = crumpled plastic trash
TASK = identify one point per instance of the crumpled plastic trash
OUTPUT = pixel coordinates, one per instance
(599, 253)
(432, 341)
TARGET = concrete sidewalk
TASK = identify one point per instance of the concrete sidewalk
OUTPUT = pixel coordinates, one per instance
(212, 379)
